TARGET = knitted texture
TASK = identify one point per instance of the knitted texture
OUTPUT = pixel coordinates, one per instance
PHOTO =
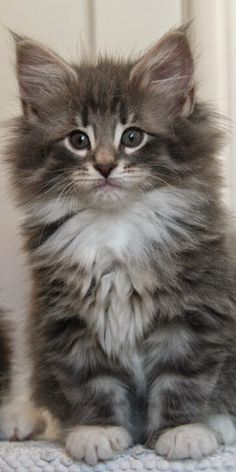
(45, 457)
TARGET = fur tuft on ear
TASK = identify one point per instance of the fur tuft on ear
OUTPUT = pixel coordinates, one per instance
(41, 74)
(167, 69)
(16, 37)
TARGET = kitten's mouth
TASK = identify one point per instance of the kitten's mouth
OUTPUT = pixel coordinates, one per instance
(108, 186)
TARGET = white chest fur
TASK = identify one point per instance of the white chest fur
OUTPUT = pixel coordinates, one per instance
(113, 249)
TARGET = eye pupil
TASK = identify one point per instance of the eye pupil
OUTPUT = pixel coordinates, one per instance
(132, 137)
(79, 140)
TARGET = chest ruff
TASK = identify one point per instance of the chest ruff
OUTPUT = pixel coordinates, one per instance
(114, 276)
(117, 301)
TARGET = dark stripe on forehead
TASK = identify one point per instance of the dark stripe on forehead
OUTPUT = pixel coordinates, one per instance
(84, 115)
(123, 113)
(114, 104)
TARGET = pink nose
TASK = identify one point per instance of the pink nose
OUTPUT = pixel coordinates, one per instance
(105, 169)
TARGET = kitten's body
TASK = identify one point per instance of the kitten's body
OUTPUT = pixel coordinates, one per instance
(109, 273)
(132, 320)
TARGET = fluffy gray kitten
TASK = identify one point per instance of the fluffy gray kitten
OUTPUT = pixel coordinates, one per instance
(132, 316)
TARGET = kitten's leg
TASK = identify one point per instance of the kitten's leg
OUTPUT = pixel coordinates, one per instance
(87, 392)
(187, 385)
(103, 421)
(19, 419)
(187, 441)
(177, 418)
(196, 440)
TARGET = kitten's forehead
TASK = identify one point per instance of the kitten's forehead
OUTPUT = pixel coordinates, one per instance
(104, 109)
(103, 91)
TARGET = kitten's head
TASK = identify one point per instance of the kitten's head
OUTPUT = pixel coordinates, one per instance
(108, 132)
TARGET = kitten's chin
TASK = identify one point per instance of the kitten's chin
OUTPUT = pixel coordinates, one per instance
(109, 196)
(106, 196)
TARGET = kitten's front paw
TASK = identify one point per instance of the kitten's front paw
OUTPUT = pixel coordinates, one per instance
(94, 443)
(187, 441)
(19, 421)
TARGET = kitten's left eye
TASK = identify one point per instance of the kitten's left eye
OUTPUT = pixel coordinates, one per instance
(132, 137)
(79, 140)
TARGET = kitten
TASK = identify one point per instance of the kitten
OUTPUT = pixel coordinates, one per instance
(132, 313)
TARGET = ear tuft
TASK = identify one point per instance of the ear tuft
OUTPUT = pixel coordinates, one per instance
(167, 69)
(17, 38)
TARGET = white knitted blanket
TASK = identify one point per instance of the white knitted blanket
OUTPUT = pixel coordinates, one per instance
(47, 457)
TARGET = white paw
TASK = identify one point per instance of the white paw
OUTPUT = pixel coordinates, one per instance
(19, 421)
(224, 428)
(94, 443)
(187, 441)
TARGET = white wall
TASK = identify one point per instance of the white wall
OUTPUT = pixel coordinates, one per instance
(210, 41)
(68, 26)
(211, 37)
(128, 26)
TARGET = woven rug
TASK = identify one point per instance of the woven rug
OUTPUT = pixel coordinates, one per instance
(47, 457)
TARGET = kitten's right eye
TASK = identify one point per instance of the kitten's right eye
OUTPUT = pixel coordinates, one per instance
(132, 137)
(79, 140)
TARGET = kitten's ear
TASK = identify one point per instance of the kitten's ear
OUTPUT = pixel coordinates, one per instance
(167, 69)
(42, 76)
